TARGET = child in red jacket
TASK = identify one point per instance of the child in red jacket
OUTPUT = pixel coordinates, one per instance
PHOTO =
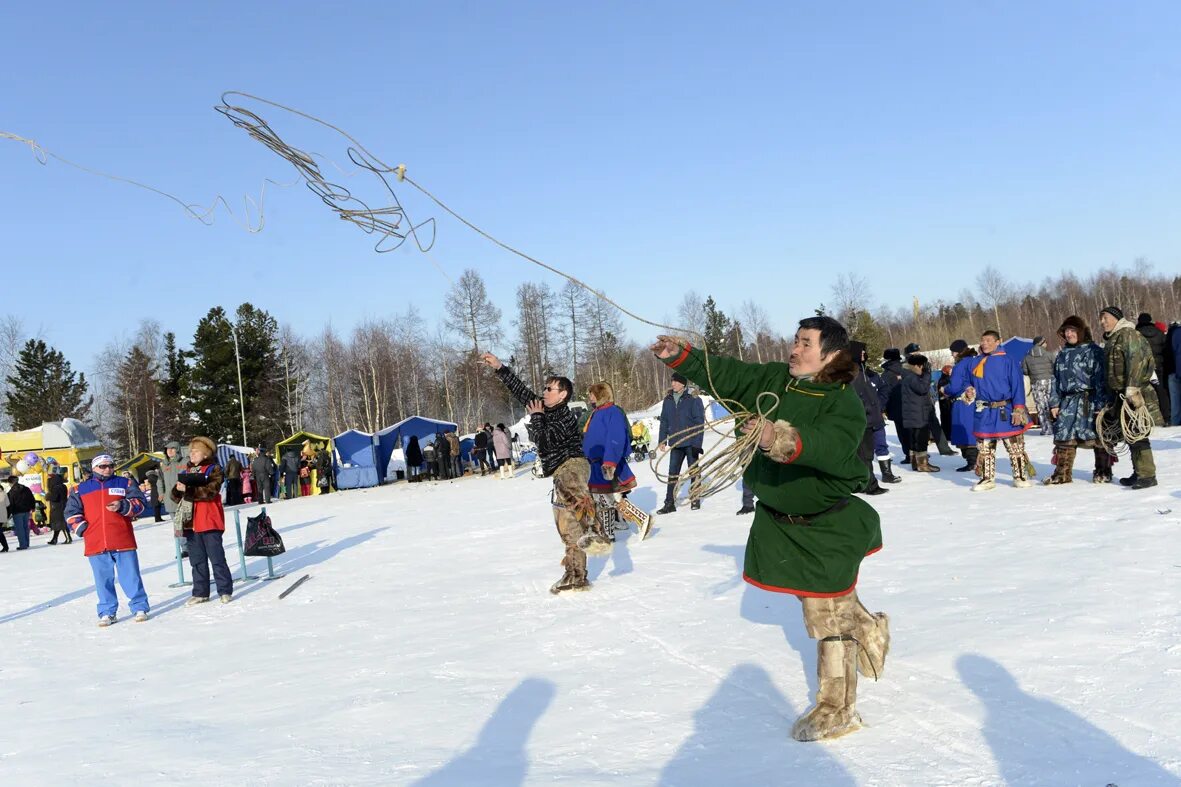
(198, 491)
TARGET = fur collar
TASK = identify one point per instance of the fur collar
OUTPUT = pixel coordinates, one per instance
(841, 369)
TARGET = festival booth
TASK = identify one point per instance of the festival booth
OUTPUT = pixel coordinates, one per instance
(354, 458)
(32, 452)
(303, 443)
(140, 464)
(396, 437)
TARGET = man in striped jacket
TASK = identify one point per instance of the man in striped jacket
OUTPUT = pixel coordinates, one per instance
(101, 510)
(553, 428)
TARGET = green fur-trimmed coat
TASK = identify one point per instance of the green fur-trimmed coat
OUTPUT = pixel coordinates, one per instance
(812, 466)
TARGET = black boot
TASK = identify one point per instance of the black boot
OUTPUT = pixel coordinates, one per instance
(745, 510)
(668, 508)
(874, 488)
(969, 460)
(888, 476)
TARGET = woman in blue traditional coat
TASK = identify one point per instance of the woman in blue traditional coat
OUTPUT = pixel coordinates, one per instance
(962, 412)
(1077, 393)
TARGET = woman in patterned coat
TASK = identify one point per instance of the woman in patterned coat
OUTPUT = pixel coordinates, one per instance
(1077, 393)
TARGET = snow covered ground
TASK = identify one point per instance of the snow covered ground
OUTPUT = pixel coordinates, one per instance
(1036, 641)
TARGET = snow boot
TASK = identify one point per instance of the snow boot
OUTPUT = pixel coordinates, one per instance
(105, 620)
(195, 600)
(922, 463)
(1102, 473)
(141, 616)
(1062, 470)
(745, 510)
(570, 581)
(1144, 483)
(874, 641)
(888, 476)
(835, 712)
(669, 508)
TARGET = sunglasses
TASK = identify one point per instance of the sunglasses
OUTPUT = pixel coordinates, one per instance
(551, 388)
(103, 467)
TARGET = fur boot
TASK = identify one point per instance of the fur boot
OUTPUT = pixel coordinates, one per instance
(1062, 470)
(1102, 474)
(986, 466)
(873, 637)
(921, 461)
(1015, 447)
(835, 712)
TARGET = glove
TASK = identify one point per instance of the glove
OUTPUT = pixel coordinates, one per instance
(1020, 417)
(969, 395)
(608, 472)
(1134, 396)
(80, 529)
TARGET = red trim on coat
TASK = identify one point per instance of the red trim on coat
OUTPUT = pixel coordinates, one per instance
(681, 358)
(799, 447)
(625, 486)
(808, 593)
(1000, 435)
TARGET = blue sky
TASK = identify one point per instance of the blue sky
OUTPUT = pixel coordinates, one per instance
(748, 150)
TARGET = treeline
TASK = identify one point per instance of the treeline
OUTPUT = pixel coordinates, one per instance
(156, 386)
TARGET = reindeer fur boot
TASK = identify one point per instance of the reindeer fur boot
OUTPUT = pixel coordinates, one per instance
(835, 712)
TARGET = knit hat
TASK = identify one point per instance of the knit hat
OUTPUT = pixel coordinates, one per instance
(101, 459)
(1144, 319)
(892, 354)
(1114, 311)
(679, 378)
(1037, 340)
(914, 359)
(913, 347)
(209, 446)
(958, 346)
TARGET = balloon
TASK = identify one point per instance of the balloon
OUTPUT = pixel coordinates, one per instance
(31, 459)
(22, 467)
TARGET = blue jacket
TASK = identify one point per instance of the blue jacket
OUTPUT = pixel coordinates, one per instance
(1175, 340)
(678, 416)
(103, 530)
(996, 379)
(1079, 391)
(963, 414)
(606, 442)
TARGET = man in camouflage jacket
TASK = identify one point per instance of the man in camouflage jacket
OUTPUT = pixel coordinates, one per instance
(1129, 374)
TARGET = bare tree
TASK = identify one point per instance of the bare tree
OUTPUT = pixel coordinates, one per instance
(472, 315)
(756, 326)
(850, 294)
(691, 313)
(994, 290)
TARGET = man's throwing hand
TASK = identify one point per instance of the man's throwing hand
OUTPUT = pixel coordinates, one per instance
(535, 407)
(668, 347)
(765, 427)
(488, 359)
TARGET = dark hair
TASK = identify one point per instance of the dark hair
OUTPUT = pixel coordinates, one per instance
(500, 427)
(992, 333)
(833, 336)
(564, 384)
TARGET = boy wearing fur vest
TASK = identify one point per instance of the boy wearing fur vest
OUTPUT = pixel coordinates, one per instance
(198, 493)
(810, 532)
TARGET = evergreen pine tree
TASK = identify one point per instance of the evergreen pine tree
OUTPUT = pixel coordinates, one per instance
(213, 381)
(717, 327)
(174, 391)
(43, 387)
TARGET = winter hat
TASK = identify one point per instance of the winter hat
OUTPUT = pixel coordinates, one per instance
(680, 378)
(1114, 311)
(914, 359)
(1037, 340)
(101, 459)
(1144, 319)
(958, 346)
(205, 443)
(913, 347)
(1080, 327)
(892, 354)
(947, 370)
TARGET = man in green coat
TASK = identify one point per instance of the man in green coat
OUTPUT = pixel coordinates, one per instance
(810, 532)
(1129, 374)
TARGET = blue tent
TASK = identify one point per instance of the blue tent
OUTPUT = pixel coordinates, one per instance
(1017, 347)
(716, 411)
(354, 460)
(399, 434)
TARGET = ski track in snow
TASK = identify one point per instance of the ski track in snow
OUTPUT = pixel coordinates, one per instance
(1035, 641)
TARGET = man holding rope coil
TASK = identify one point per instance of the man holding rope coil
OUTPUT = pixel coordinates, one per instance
(1129, 374)
(809, 533)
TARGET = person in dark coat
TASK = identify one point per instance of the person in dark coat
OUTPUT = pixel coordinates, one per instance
(443, 455)
(916, 404)
(323, 469)
(681, 411)
(233, 481)
(20, 507)
(1173, 371)
(1078, 393)
(413, 459)
(157, 504)
(890, 394)
(479, 451)
(56, 495)
(290, 474)
(874, 439)
(1156, 342)
(262, 470)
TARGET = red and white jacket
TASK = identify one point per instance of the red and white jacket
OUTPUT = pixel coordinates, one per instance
(101, 529)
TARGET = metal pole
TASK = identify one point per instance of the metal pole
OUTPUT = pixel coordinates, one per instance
(241, 549)
(180, 566)
(241, 395)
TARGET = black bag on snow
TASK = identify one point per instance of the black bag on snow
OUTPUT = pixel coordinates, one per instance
(261, 538)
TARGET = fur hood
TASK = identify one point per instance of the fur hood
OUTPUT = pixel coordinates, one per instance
(841, 369)
(1079, 325)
